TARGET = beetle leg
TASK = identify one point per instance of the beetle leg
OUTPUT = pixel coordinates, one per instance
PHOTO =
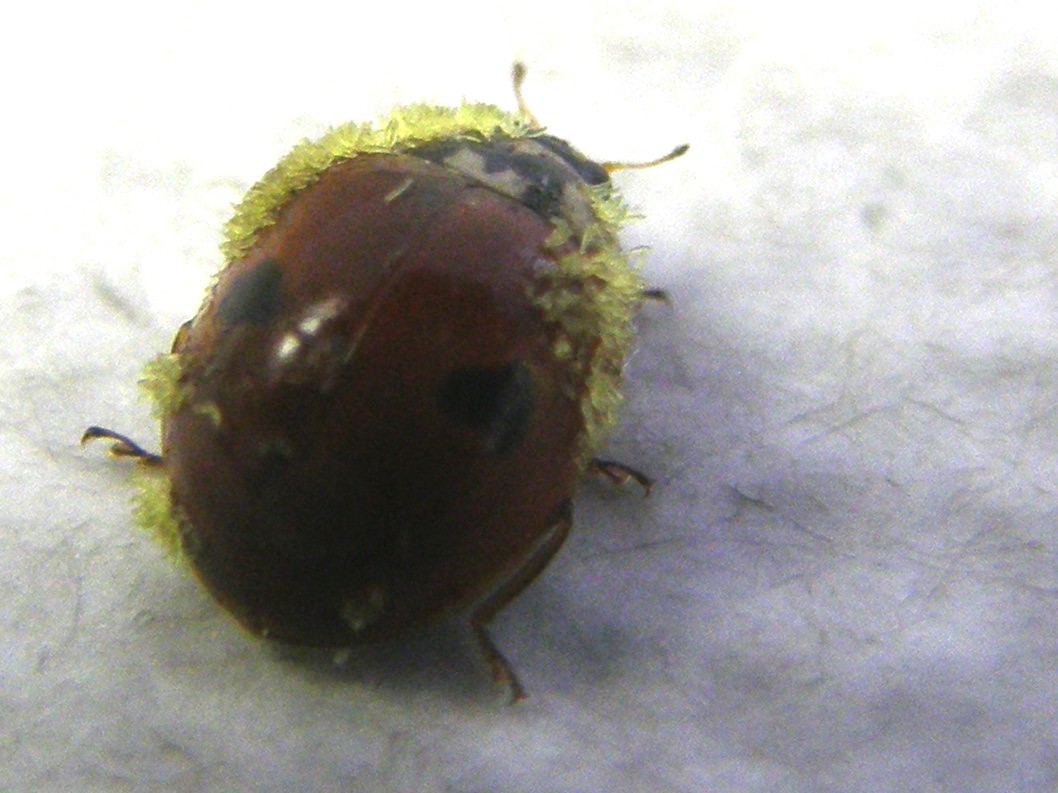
(501, 669)
(123, 446)
(620, 474)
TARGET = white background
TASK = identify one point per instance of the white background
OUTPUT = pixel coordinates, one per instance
(845, 579)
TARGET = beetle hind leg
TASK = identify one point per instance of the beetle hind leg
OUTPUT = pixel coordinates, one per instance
(620, 474)
(502, 671)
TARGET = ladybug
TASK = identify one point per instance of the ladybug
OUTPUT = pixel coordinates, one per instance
(381, 412)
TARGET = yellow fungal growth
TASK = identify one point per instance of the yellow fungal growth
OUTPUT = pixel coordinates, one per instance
(405, 128)
(160, 380)
(153, 510)
(592, 296)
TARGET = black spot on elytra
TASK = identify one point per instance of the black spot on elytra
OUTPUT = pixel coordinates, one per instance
(253, 297)
(271, 464)
(495, 401)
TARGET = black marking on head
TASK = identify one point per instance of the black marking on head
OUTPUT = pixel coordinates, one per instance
(253, 296)
(437, 151)
(544, 182)
(496, 401)
(542, 179)
(591, 172)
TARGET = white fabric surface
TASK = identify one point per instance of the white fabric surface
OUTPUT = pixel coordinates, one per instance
(845, 579)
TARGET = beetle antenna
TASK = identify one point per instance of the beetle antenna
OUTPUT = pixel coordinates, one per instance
(679, 151)
(518, 72)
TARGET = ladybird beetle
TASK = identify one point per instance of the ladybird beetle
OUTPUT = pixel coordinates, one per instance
(382, 409)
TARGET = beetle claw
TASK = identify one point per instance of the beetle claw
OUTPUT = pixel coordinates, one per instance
(620, 474)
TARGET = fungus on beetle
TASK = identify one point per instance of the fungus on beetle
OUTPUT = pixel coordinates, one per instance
(382, 409)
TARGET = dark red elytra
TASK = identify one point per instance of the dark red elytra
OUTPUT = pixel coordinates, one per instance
(382, 410)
